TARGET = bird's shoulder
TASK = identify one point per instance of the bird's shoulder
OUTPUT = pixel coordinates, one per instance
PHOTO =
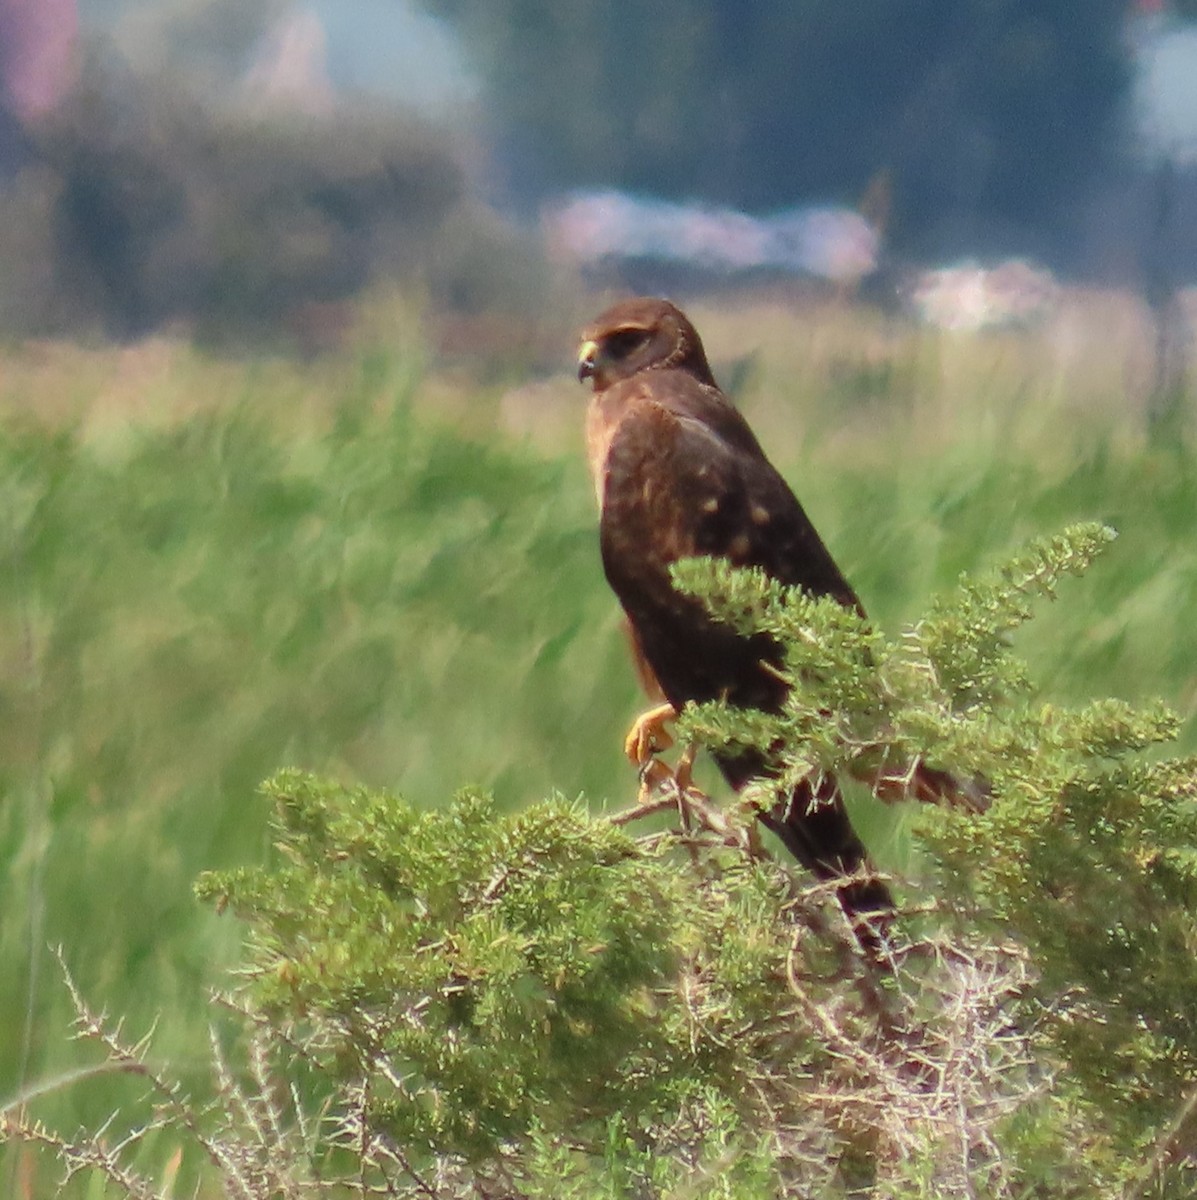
(663, 410)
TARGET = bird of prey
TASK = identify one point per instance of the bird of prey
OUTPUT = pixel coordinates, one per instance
(679, 473)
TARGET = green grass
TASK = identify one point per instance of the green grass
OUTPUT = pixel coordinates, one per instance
(209, 570)
(186, 606)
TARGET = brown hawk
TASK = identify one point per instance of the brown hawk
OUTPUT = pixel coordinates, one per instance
(679, 473)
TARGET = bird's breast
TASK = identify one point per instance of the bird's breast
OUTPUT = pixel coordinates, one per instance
(601, 425)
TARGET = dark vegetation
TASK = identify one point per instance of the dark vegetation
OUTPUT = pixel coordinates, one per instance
(144, 202)
(979, 125)
(162, 193)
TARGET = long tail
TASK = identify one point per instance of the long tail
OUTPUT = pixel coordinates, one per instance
(928, 785)
(813, 825)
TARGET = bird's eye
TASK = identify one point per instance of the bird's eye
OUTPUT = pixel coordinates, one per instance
(623, 342)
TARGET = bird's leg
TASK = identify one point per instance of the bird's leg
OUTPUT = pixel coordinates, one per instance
(648, 734)
(647, 737)
(654, 778)
(684, 771)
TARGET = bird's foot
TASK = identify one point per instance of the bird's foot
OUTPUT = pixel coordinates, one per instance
(657, 777)
(648, 735)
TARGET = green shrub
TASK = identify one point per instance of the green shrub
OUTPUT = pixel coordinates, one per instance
(466, 1002)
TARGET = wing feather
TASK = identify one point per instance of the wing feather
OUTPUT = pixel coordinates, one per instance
(677, 483)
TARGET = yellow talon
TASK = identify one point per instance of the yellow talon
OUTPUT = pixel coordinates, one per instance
(648, 735)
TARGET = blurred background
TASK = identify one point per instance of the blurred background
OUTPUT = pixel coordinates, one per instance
(291, 467)
(238, 169)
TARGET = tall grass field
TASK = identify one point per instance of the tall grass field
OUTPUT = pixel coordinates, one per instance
(385, 569)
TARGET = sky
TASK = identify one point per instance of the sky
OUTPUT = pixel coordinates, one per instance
(388, 47)
(394, 48)
(1166, 89)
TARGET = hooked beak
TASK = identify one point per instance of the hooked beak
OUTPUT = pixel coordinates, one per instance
(587, 361)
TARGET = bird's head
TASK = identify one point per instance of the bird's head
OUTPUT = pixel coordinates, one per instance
(644, 334)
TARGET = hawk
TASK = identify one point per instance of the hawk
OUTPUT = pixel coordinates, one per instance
(678, 473)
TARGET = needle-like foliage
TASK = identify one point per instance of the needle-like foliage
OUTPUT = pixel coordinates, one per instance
(465, 1003)
(1086, 852)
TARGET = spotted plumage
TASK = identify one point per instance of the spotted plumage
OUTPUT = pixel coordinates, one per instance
(679, 473)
